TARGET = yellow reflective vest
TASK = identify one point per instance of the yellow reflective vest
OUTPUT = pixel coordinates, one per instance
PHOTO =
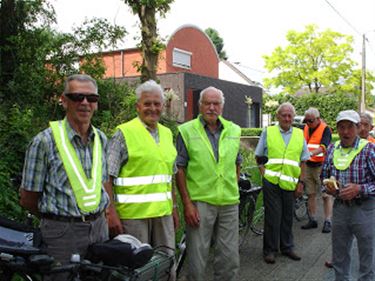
(143, 188)
(208, 180)
(343, 157)
(86, 191)
(283, 166)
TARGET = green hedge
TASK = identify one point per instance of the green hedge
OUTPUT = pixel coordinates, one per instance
(251, 131)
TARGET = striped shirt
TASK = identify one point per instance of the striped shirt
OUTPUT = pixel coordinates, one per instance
(44, 172)
(361, 171)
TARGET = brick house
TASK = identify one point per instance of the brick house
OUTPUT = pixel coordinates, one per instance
(189, 64)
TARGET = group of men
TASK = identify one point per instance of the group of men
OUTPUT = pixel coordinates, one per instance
(291, 159)
(86, 189)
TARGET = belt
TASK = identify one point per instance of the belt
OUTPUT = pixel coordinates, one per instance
(350, 203)
(87, 218)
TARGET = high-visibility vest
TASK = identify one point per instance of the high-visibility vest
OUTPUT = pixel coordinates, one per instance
(371, 139)
(342, 158)
(314, 141)
(143, 188)
(283, 166)
(209, 180)
(87, 192)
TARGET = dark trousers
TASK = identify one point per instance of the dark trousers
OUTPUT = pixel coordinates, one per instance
(278, 218)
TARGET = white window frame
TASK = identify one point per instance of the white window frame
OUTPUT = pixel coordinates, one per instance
(179, 63)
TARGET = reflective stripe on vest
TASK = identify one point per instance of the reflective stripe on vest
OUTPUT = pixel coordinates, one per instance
(283, 161)
(87, 192)
(314, 141)
(144, 184)
(342, 160)
(281, 176)
(142, 198)
(143, 180)
(283, 165)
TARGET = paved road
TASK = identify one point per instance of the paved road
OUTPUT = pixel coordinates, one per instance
(313, 246)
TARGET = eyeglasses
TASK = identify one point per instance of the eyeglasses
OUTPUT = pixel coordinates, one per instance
(310, 120)
(79, 97)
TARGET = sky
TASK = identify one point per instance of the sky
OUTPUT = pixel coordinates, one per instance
(250, 29)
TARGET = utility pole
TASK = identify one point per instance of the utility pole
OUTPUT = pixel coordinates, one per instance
(362, 104)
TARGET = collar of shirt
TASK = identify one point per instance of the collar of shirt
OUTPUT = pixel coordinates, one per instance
(73, 134)
(289, 131)
(152, 131)
(204, 123)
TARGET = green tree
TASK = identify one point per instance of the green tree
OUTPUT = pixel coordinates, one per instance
(34, 60)
(217, 41)
(314, 62)
(151, 44)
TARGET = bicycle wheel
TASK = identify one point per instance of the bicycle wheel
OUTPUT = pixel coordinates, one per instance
(245, 211)
(300, 208)
(181, 254)
(256, 225)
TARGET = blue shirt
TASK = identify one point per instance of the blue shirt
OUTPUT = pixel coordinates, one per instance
(262, 150)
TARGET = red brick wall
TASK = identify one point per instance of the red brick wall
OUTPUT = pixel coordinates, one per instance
(127, 68)
(204, 60)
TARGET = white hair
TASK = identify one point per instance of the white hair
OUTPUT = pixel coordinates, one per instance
(203, 92)
(312, 111)
(148, 87)
(286, 105)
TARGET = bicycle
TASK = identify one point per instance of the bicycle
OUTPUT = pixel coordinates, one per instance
(250, 217)
(22, 257)
(300, 208)
(180, 254)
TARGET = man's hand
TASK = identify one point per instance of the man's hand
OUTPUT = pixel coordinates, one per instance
(299, 190)
(350, 191)
(191, 215)
(114, 222)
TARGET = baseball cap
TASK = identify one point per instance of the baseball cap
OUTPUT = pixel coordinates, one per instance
(349, 115)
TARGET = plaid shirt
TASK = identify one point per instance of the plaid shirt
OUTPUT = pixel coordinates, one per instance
(44, 172)
(361, 171)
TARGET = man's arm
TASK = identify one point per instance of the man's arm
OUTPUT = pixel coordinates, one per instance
(114, 222)
(29, 200)
(301, 183)
(190, 211)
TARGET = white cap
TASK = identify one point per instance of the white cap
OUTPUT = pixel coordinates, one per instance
(349, 115)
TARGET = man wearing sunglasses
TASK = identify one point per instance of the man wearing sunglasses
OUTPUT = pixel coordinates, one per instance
(318, 137)
(63, 175)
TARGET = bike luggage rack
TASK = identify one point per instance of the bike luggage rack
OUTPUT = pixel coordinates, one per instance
(158, 267)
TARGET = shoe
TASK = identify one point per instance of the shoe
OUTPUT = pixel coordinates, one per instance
(269, 258)
(310, 224)
(327, 227)
(292, 255)
(328, 264)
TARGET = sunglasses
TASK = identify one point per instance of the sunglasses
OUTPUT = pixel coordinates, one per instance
(310, 120)
(79, 97)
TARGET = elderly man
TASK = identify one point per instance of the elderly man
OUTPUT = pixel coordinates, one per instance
(208, 165)
(65, 166)
(281, 155)
(141, 164)
(351, 161)
(318, 136)
(366, 127)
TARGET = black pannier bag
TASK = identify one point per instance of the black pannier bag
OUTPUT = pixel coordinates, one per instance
(18, 238)
(124, 250)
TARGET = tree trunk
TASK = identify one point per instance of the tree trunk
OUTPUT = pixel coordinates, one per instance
(150, 51)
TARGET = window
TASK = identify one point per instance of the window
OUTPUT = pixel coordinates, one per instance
(181, 58)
